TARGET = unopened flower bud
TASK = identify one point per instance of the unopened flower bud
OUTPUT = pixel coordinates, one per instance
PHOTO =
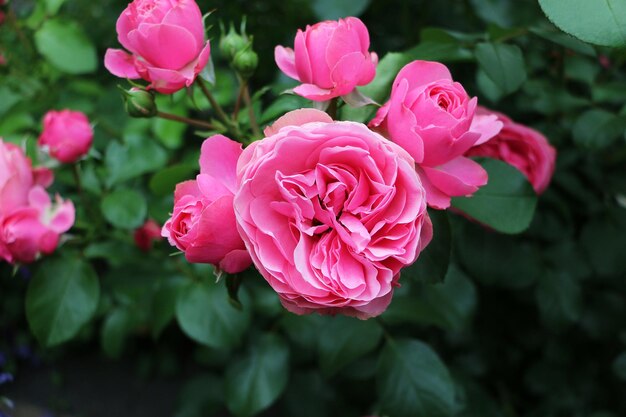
(140, 103)
(232, 42)
(245, 62)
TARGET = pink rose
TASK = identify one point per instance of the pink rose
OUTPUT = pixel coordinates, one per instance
(434, 119)
(330, 213)
(34, 229)
(329, 58)
(67, 134)
(16, 177)
(522, 147)
(146, 234)
(166, 41)
(203, 220)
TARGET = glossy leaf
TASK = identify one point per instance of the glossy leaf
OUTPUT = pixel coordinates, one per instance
(124, 208)
(503, 64)
(507, 203)
(65, 45)
(255, 381)
(61, 299)
(413, 381)
(601, 22)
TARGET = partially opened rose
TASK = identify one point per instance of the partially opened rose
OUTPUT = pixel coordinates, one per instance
(329, 58)
(521, 146)
(203, 220)
(166, 43)
(433, 118)
(34, 229)
(66, 134)
(330, 212)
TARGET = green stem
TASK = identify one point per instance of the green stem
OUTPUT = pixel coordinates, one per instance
(253, 123)
(181, 119)
(332, 108)
(218, 109)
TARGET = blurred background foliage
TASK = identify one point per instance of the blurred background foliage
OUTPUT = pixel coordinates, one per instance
(522, 325)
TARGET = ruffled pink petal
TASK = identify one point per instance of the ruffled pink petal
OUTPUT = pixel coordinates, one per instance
(165, 46)
(63, 217)
(459, 177)
(297, 118)
(286, 60)
(419, 73)
(120, 64)
(401, 123)
(346, 73)
(43, 176)
(488, 126)
(435, 198)
(123, 26)
(235, 261)
(315, 93)
(218, 158)
(303, 64)
(187, 14)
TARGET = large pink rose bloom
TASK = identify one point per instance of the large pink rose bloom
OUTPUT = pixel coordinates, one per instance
(330, 212)
(166, 42)
(522, 147)
(433, 118)
(67, 134)
(203, 220)
(34, 229)
(329, 58)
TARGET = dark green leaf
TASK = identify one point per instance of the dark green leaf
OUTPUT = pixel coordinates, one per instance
(137, 156)
(559, 298)
(200, 397)
(413, 381)
(255, 381)
(114, 331)
(503, 64)
(432, 263)
(164, 304)
(124, 208)
(65, 46)
(449, 305)
(344, 340)
(205, 315)
(507, 203)
(336, 9)
(61, 299)
(164, 182)
(601, 22)
(619, 366)
(598, 129)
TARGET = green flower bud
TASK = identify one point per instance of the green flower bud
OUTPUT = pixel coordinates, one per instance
(245, 62)
(140, 103)
(232, 42)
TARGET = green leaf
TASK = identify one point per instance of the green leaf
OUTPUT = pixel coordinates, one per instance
(205, 315)
(336, 9)
(598, 129)
(413, 381)
(601, 22)
(114, 331)
(124, 208)
(164, 304)
(61, 299)
(255, 381)
(504, 13)
(64, 44)
(449, 305)
(432, 263)
(600, 237)
(507, 203)
(200, 397)
(53, 6)
(563, 39)
(503, 64)
(559, 298)
(137, 156)
(164, 182)
(619, 366)
(379, 89)
(489, 89)
(344, 340)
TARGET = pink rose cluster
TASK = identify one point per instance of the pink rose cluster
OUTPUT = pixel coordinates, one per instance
(329, 212)
(30, 222)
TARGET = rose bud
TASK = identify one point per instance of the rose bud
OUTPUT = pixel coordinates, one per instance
(140, 103)
(433, 118)
(329, 58)
(166, 41)
(245, 62)
(203, 219)
(232, 42)
(146, 234)
(330, 213)
(522, 147)
(66, 134)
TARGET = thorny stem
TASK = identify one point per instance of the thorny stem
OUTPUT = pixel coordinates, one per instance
(181, 119)
(253, 123)
(218, 109)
